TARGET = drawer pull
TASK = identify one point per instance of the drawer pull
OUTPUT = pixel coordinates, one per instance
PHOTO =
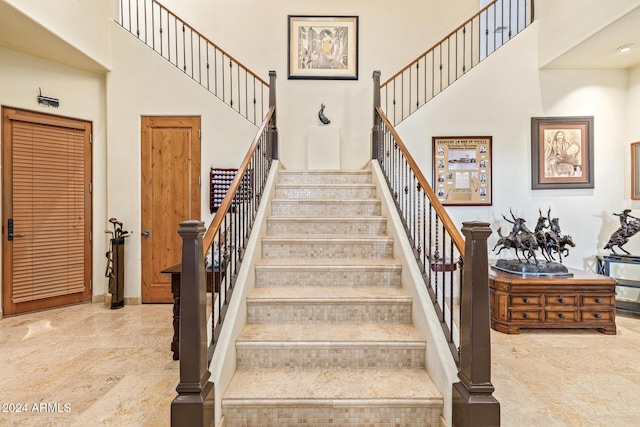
(525, 316)
(597, 316)
(561, 315)
(525, 300)
(598, 301)
(561, 300)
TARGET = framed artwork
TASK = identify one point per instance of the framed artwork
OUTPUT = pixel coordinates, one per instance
(635, 171)
(323, 47)
(561, 152)
(462, 170)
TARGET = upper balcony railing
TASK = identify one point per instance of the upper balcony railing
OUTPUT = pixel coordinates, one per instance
(449, 59)
(197, 57)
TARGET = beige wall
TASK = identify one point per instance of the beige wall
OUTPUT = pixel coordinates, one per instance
(82, 95)
(255, 33)
(501, 95)
(500, 98)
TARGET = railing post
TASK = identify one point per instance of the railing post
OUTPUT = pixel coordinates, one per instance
(473, 402)
(194, 404)
(273, 128)
(376, 133)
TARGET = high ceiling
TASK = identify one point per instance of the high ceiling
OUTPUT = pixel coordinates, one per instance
(18, 32)
(599, 50)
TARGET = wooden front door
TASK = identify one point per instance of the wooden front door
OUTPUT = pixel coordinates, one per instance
(170, 195)
(46, 199)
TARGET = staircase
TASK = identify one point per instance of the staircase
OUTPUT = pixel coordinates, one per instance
(329, 337)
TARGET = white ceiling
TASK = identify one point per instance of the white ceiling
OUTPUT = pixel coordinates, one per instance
(20, 33)
(599, 50)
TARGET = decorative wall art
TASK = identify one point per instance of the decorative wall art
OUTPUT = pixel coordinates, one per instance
(561, 152)
(635, 171)
(462, 170)
(323, 47)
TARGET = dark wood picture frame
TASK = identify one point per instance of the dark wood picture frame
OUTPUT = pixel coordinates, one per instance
(462, 170)
(635, 171)
(322, 47)
(562, 153)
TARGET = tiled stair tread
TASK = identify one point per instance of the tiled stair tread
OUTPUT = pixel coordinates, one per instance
(331, 334)
(328, 172)
(326, 239)
(305, 185)
(328, 219)
(370, 294)
(379, 384)
(325, 201)
(330, 263)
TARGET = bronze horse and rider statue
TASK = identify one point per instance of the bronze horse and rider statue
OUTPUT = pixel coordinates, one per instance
(628, 228)
(546, 237)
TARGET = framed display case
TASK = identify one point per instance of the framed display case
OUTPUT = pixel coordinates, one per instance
(462, 170)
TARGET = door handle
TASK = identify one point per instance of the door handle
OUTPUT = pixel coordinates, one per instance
(145, 234)
(10, 233)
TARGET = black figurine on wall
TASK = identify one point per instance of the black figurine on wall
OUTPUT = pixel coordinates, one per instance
(322, 117)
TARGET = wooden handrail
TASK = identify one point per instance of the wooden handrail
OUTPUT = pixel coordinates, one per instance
(426, 52)
(225, 205)
(456, 237)
(213, 44)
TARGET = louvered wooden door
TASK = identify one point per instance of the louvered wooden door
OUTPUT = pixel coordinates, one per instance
(46, 211)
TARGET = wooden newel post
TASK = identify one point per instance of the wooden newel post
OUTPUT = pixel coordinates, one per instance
(376, 132)
(273, 127)
(194, 404)
(473, 402)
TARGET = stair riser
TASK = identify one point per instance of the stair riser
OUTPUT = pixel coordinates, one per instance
(399, 312)
(324, 208)
(327, 228)
(331, 193)
(325, 277)
(330, 413)
(319, 178)
(341, 250)
(326, 357)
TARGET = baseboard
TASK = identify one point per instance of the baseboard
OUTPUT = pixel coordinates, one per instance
(106, 299)
(98, 298)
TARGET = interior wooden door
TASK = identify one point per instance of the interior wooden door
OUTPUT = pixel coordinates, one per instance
(46, 233)
(170, 195)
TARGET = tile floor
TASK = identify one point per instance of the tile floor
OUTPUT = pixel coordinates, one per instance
(106, 367)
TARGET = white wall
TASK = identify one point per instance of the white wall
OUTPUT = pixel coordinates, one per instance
(141, 83)
(82, 96)
(499, 98)
(255, 33)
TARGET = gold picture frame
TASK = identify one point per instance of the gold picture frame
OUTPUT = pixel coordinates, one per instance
(323, 47)
(462, 170)
(635, 171)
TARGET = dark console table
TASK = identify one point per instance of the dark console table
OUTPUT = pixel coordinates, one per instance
(213, 277)
(604, 267)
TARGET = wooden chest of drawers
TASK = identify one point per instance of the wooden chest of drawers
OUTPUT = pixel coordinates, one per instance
(586, 300)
